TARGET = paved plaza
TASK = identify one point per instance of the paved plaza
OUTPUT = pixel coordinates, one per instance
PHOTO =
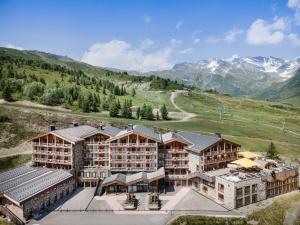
(108, 210)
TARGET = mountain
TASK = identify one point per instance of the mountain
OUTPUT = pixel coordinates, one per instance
(236, 76)
(287, 91)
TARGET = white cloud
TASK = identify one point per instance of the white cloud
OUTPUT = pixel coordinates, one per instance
(13, 46)
(293, 4)
(175, 41)
(187, 51)
(196, 41)
(178, 24)
(146, 43)
(213, 40)
(120, 54)
(294, 39)
(263, 33)
(297, 17)
(147, 19)
(230, 36)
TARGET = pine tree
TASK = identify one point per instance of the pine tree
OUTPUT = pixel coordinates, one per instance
(133, 92)
(7, 92)
(113, 109)
(126, 109)
(149, 113)
(164, 112)
(138, 111)
(272, 152)
(157, 115)
(143, 111)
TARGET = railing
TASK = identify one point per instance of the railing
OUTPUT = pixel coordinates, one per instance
(51, 144)
(176, 176)
(219, 160)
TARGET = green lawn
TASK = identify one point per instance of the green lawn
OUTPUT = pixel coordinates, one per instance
(208, 220)
(10, 162)
(4, 222)
(275, 214)
(251, 123)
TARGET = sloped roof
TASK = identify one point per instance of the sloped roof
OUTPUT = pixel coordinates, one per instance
(74, 134)
(170, 136)
(143, 131)
(112, 131)
(244, 162)
(108, 130)
(199, 142)
(127, 179)
(25, 182)
(248, 155)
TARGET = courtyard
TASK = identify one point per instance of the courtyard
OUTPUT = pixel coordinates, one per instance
(108, 210)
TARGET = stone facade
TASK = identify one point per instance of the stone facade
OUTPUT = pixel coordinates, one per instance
(47, 198)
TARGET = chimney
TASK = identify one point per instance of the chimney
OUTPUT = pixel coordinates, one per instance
(52, 127)
(218, 135)
(73, 124)
(129, 127)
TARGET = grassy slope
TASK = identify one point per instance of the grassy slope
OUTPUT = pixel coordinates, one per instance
(10, 162)
(287, 91)
(154, 98)
(14, 134)
(205, 220)
(249, 122)
(275, 213)
(242, 122)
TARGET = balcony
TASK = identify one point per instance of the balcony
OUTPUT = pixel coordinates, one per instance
(177, 177)
(52, 144)
(176, 166)
(225, 159)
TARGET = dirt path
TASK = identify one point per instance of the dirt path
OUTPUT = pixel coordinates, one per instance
(34, 105)
(23, 148)
(185, 116)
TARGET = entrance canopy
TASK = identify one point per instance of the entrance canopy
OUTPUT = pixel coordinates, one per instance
(127, 180)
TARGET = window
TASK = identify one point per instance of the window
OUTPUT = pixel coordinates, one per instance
(247, 200)
(239, 192)
(254, 198)
(239, 202)
(254, 188)
(221, 197)
(221, 187)
(247, 190)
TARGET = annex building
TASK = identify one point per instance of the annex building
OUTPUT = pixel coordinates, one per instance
(138, 158)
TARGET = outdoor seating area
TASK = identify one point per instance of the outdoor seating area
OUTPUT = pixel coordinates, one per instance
(154, 201)
(131, 202)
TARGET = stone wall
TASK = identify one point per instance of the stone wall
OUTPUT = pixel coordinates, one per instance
(48, 197)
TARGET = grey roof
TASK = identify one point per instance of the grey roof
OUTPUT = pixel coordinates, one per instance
(5, 176)
(199, 141)
(126, 179)
(21, 186)
(172, 136)
(74, 134)
(142, 130)
(110, 130)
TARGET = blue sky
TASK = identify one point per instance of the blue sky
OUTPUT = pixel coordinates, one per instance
(152, 34)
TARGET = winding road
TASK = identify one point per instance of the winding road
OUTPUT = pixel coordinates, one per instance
(185, 116)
